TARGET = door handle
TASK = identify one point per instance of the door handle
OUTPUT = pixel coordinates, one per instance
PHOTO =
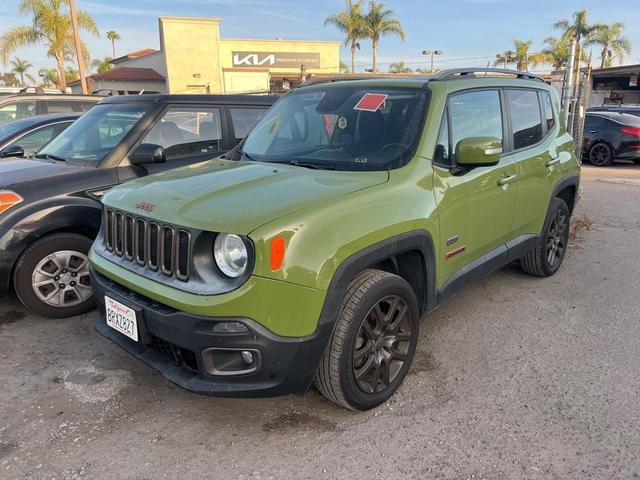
(593, 131)
(552, 162)
(507, 180)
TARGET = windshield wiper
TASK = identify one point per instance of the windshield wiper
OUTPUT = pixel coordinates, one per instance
(50, 156)
(317, 166)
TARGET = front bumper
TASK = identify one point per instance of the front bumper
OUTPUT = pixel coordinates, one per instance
(173, 343)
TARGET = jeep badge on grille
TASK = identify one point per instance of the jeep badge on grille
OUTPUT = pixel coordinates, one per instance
(147, 207)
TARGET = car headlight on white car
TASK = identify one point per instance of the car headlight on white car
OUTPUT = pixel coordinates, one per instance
(230, 254)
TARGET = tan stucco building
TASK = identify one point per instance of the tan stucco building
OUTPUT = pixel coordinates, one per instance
(193, 58)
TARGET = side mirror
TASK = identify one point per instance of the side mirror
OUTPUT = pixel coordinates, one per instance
(147, 153)
(12, 151)
(478, 151)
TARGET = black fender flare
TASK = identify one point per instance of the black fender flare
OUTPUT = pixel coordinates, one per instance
(572, 180)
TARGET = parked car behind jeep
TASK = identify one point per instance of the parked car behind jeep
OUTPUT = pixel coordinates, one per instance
(50, 205)
(24, 105)
(309, 253)
(23, 138)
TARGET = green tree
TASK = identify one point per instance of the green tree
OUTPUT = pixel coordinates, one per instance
(103, 65)
(399, 67)
(51, 26)
(71, 75)
(423, 70)
(9, 79)
(380, 21)
(556, 52)
(20, 67)
(49, 77)
(344, 68)
(113, 36)
(614, 44)
(521, 48)
(580, 30)
(350, 22)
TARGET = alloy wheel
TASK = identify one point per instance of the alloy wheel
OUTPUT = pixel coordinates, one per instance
(382, 344)
(556, 240)
(61, 279)
(599, 154)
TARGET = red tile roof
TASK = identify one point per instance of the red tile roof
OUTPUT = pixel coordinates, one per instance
(129, 74)
(137, 54)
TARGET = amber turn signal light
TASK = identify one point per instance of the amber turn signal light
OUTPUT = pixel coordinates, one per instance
(8, 199)
(277, 252)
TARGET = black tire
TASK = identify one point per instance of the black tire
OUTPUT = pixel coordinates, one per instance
(365, 300)
(600, 155)
(545, 259)
(24, 277)
(636, 161)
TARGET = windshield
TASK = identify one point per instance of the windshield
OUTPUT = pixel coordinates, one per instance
(95, 134)
(343, 128)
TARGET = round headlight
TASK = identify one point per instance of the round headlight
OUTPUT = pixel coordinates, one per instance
(231, 254)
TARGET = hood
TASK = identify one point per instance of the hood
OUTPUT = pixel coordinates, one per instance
(234, 196)
(15, 172)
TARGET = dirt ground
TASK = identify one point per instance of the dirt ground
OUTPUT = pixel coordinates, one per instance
(514, 378)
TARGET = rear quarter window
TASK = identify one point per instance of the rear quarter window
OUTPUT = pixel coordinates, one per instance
(526, 122)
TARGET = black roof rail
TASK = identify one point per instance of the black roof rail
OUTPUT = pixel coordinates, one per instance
(472, 71)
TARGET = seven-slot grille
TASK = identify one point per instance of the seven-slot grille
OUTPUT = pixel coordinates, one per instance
(153, 245)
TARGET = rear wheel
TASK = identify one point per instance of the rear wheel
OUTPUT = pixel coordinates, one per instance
(545, 259)
(52, 276)
(600, 155)
(373, 343)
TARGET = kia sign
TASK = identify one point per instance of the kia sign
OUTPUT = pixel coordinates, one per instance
(276, 60)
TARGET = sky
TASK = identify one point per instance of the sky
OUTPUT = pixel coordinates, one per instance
(469, 32)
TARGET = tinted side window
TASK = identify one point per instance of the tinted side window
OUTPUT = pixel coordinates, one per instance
(61, 106)
(187, 131)
(17, 110)
(592, 122)
(525, 117)
(548, 110)
(244, 119)
(34, 141)
(475, 114)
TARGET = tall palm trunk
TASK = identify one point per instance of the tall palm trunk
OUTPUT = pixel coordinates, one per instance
(374, 52)
(113, 47)
(354, 46)
(22, 79)
(603, 61)
(62, 80)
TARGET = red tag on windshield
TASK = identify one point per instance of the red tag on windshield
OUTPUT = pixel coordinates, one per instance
(370, 102)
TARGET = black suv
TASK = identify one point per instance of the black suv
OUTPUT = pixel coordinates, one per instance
(23, 105)
(50, 205)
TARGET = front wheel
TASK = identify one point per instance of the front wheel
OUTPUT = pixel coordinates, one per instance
(52, 276)
(373, 342)
(545, 259)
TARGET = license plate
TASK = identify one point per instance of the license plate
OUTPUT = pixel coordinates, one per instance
(121, 318)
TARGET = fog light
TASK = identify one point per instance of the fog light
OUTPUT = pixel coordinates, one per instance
(229, 327)
(247, 357)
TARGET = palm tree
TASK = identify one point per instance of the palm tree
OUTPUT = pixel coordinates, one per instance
(380, 21)
(556, 51)
(522, 54)
(578, 27)
(20, 68)
(113, 36)
(103, 65)
(613, 43)
(350, 22)
(49, 76)
(8, 79)
(71, 75)
(344, 68)
(399, 67)
(51, 26)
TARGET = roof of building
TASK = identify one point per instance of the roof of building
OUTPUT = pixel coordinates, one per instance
(137, 54)
(615, 71)
(126, 74)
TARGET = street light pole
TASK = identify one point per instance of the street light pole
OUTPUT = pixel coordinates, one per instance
(432, 53)
(76, 39)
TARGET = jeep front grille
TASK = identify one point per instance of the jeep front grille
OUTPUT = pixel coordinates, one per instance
(158, 247)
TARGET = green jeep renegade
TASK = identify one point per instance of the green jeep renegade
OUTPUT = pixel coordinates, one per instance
(309, 253)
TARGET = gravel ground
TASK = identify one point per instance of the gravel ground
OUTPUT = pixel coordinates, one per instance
(514, 378)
